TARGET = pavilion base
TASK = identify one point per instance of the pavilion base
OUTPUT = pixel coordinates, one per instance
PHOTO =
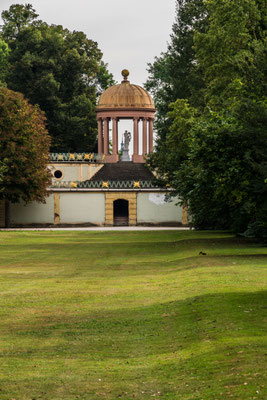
(136, 158)
(112, 158)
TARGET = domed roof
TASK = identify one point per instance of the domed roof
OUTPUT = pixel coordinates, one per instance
(125, 96)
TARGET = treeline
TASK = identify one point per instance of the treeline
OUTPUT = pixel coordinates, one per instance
(210, 92)
(61, 71)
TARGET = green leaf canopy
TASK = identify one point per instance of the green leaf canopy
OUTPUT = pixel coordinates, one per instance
(62, 71)
(24, 147)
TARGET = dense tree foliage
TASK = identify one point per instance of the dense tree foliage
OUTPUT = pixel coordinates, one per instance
(62, 71)
(3, 170)
(3, 61)
(24, 147)
(215, 154)
(175, 74)
(16, 19)
(223, 175)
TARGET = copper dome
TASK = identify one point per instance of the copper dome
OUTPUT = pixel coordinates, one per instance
(125, 96)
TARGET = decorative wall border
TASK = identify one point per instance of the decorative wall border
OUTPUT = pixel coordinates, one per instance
(105, 184)
(80, 157)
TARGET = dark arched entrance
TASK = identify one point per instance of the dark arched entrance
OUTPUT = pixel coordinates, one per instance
(121, 212)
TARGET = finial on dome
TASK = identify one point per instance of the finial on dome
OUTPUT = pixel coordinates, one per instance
(125, 73)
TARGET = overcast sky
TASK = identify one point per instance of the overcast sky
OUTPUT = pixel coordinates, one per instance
(130, 33)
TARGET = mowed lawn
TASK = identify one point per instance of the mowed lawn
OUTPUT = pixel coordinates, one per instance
(132, 315)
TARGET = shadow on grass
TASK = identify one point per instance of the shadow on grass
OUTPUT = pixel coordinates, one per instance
(204, 347)
(141, 332)
(128, 254)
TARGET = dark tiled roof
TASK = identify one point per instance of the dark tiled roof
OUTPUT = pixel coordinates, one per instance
(123, 171)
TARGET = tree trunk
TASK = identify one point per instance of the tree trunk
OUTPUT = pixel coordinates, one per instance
(7, 214)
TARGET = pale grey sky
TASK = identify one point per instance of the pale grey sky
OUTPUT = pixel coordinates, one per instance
(130, 33)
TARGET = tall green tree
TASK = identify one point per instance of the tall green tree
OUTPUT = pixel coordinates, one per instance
(62, 71)
(24, 147)
(222, 170)
(175, 74)
(233, 56)
(232, 51)
(16, 19)
(222, 177)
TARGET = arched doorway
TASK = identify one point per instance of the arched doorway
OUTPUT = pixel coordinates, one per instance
(121, 212)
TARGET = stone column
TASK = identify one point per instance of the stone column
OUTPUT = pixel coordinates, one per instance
(150, 135)
(114, 157)
(100, 136)
(137, 158)
(114, 136)
(136, 138)
(144, 136)
(106, 136)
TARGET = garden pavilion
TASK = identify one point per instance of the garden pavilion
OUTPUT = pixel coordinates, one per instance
(125, 101)
(98, 189)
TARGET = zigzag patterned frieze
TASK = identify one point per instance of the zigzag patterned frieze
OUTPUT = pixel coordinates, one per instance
(104, 184)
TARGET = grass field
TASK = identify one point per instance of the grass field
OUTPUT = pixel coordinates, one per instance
(134, 315)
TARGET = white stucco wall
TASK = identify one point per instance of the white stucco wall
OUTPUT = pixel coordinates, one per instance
(75, 171)
(78, 207)
(152, 208)
(89, 207)
(33, 213)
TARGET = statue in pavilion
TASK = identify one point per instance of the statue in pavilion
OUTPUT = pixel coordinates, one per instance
(125, 147)
(127, 139)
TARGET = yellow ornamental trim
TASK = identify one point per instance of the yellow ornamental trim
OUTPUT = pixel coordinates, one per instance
(105, 185)
(87, 156)
(73, 184)
(72, 156)
(79, 157)
(103, 157)
(136, 184)
(60, 156)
